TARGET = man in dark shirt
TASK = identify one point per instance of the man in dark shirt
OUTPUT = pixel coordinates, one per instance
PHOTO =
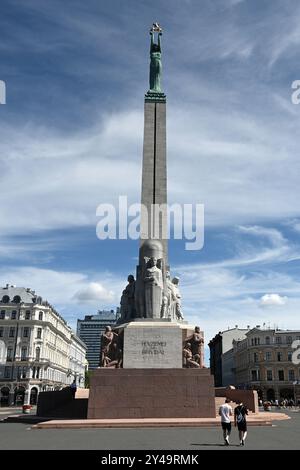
(240, 413)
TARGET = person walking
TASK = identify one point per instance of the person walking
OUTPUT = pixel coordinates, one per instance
(225, 411)
(240, 421)
(73, 388)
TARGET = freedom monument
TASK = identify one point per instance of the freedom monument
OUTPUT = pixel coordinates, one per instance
(152, 362)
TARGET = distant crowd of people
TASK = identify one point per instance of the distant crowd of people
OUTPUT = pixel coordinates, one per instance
(282, 403)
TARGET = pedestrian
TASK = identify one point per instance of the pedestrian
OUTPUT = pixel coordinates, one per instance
(225, 411)
(240, 421)
(73, 388)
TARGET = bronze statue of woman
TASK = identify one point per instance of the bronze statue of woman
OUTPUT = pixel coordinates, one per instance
(155, 64)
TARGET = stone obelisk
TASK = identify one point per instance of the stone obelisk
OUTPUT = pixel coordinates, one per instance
(153, 295)
(154, 176)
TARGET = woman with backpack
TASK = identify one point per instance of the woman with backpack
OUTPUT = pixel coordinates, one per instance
(240, 413)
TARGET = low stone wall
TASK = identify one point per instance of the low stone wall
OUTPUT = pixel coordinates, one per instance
(248, 397)
(61, 404)
(48, 401)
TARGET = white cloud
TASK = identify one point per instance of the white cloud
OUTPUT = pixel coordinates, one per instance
(67, 291)
(94, 293)
(272, 299)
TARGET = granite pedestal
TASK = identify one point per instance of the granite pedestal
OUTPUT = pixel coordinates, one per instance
(151, 393)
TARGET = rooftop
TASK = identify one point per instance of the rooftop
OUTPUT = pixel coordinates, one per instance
(17, 295)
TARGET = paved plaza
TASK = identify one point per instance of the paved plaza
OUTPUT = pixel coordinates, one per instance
(282, 435)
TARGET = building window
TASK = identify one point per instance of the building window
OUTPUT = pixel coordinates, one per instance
(289, 339)
(252, 341)
(33, 372)
(40, 315)
(9, 356)
(269, 375)
(17, 299)
(24, 371)
(281, 375)
(291, 375)
(7, 372)
(12, 332)
(13, 314)
(2, 315)
(37, 372)
(5, 299)
(267, 339)
(26, 332)
(24, 354)
(1, 332)
(39, 333)
(290, 355)
(255, 375)
(27, 315)
(37, 354)
(279, 356)
(268, 356)
(255, 357)
(278, 339)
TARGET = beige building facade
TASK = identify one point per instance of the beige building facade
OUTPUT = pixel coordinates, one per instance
(38, 349)
(267, 362)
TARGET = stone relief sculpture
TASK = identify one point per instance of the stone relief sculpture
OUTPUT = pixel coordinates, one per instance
(153, 289)
(152, 294)
(194, 346)
(176, 300)
(128, 300)
(196, 341)
(188, 359)
(167, 298)
(111, 351)
(139, 294)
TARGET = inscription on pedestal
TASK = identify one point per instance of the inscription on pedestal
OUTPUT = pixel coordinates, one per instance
(152, 346)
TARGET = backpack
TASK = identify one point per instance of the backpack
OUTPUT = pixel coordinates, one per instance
(239, 417)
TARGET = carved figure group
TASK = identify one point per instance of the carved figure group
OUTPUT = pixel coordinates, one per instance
(152, 294)
(193, 350)
(111, 352)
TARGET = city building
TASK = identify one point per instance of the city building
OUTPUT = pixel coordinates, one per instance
(264, 362)
(90, 330)
(38, 350)
(221, 355)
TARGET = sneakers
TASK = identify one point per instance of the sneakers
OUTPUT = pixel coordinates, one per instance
(243, 442)
(226, 443)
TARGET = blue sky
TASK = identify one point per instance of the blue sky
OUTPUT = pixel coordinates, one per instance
(71, 138)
